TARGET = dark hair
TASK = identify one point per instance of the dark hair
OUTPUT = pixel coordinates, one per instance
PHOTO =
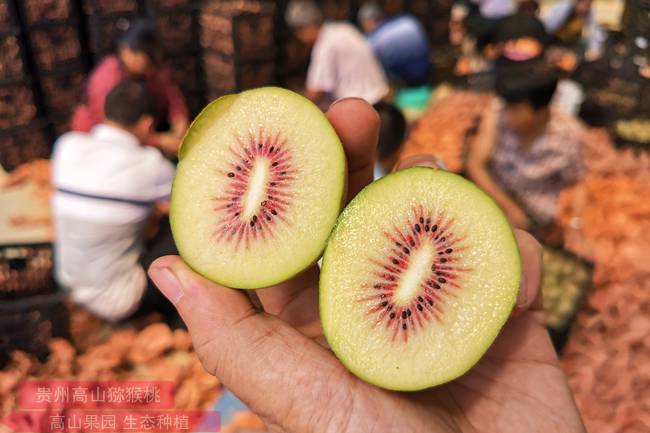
(392, 129)
(140, 37)
(521, 25)
(127, 102)
(532, 83)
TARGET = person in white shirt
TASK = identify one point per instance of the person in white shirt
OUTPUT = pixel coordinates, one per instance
(343, 63)
(106, 185)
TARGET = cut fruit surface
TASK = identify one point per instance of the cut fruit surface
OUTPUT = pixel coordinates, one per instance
(259, 185)
(419, 275)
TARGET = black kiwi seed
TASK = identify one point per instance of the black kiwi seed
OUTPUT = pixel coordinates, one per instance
(436, 286)
(412, 243)
(429, 301)
(272, 183)
(442, 280)
(434, 228)
(419, 307)
(428, 220)
(395, 261)
(259, 145)
(448, 250)
(252, 223)
(275, 164)
(377, 286)
(408, 312)
(383, 304)
(421, 220)
(268, 218)
(229, 205)
(283, 172)
(406, 250)
(271, 149)
(390, 307)
(398, 244)
(443, 260)
(236, 213)
(238, 168)
(255, 218)
(231, 174)
(264, 203)
(404, 326)
(440, 252)
(417, 228)
(274, 212)
(403, 314)
(426, 228)
(442, 239)
(420, 299)
(392, 315)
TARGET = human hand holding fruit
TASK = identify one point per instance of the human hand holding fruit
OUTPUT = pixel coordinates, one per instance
(273, 360)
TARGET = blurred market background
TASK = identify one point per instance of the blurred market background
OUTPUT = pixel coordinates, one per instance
(596, 277)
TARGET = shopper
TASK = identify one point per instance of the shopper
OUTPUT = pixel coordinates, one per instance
(342, 62)
(278, 364)
(573, 25)
(138, 56)
(400, 43)
(106, 184)
(526, 153)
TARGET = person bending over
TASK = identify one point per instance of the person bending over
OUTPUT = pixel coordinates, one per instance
(138, 56)
(526, 153)
(342, 62)
(106, 185)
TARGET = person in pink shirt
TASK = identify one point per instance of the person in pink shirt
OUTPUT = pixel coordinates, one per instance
(138, 56)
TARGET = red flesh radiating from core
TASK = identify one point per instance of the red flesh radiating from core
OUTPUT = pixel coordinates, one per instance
(232, 225)
(441, 281)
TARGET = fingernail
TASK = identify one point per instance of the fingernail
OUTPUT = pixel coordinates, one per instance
(349, 98)
(422, 160)
(522, 296)
(167, 282)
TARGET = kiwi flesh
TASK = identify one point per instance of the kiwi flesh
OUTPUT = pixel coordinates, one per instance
(259, 185)
(419, 275)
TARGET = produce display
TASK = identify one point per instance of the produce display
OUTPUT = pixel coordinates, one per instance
(175, 32)
(446, 126)
(408, 258)
(11, 62)
(236, 38)
(607, 355)
(564, 282)
(106, 7)
(46, 10)
(16, 105)
(259, 185)
(634, 130)
(55, 47)
(23, 146)
(63, 92)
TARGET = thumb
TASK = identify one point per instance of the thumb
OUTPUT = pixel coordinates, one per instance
(256, 355)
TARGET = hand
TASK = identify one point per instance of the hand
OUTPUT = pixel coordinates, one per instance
(277, 361)
(517, 216)
(168, 142)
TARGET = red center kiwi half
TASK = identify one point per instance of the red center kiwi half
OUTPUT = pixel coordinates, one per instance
(260, 182)
(419, 275)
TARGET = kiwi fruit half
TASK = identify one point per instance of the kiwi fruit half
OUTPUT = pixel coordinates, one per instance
(419, 275)
(260, 182)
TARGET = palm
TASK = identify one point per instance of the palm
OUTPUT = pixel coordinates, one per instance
(279, 364)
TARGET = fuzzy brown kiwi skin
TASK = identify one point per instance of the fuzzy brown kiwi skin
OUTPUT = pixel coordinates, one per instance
(356, 201)
(223, 103)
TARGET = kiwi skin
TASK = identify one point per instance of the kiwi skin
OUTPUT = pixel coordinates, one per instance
(206, 116)
(358, 201)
